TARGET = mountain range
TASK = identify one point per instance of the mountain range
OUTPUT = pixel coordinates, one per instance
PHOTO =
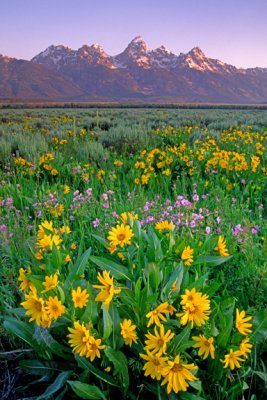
(138, 73)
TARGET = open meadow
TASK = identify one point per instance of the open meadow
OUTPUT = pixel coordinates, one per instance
(133, 253)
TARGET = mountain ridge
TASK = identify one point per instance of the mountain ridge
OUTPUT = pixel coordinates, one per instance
(137, 72)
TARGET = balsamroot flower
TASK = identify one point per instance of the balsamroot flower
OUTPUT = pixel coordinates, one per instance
(205, 345)
(154, 365)
(54, 307)
(34, 306)
(156, 316)
(79, 297)
(232, 359)
(177, 374)
(79, 338)
(221, 247)
(50, 282)
(245, 347)
(164, 226)
(107, 288)
(196, 308)
(128, 332)
(94, 347)
(158, 343)
(120, 235)
(83, 343)
(241, 322)
(25, 282)
(187, 256)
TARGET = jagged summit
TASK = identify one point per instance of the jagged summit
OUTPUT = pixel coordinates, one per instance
(138, 39)
(197, 52)
(137, 44)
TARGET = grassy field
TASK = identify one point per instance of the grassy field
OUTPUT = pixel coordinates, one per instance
(133, 253)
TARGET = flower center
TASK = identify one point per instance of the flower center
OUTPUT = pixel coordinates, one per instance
(160, 342)
(38, 306)
(121, 236)
(177, 368)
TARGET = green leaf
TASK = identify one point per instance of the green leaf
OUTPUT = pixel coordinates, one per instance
(213, 289)
(211, 261)
(91, 311)
(262, 375)
(196, 385)
(154, 275)
(120, 364)
(108, 324)
(83, 363)
(56, 257)
(154, 245)
(224, 336)
(23, 330)
(181, 340)
(101, 240)
(176, 276)
(260, 326)
(86, 391)
(117, 270)
(45, 340)
(37, 367)
(78, 268)
(58, 383)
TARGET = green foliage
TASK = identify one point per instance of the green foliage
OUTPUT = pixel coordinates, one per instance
(81, 169)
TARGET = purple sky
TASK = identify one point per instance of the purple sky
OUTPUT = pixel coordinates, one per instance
(234, 31)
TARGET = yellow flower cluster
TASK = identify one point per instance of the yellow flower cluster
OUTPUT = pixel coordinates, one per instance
(23, 165)
(172, 371)
(56, 142)
(233, 358)
(45, 163)
(83, 343)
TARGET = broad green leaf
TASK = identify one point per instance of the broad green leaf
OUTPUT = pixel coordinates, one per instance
(120, 364)
(23, 330)
(91, 312)
(56, 258)
(211, 261)
(260, 326)
(44, 339)
(101, 240)
(176, 277)
(116, 270)
(86, 391)
(37, 367)
(78, 268)
(83, 363)
(212, 289)
(223, 337)
(178, 342)
(58, 383)
(108, 324)
(154, 245)
(262, 375)
(154, 275)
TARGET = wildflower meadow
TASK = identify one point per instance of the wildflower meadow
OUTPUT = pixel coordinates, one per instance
(133, 253)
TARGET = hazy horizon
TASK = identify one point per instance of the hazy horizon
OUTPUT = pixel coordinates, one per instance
(233, 31)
